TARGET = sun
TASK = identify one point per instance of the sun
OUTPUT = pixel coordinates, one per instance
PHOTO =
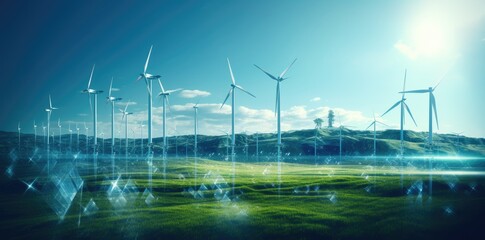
(431, 38)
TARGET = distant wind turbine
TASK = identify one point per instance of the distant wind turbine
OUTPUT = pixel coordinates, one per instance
(35, 134)
(60, 133)
(94, 92)
(77, 129)
(70, 136)
(125, 117)
(278, 80)
(164, 95)
(112, 100)
(18, 128)
(43, 131)
(374, 123)
(49, 112)
(195, 129)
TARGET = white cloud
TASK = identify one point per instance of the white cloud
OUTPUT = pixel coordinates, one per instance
(408, 51)
(193, 93)
(315, 99)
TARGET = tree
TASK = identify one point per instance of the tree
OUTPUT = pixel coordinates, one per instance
(331, 118)
(318, 123)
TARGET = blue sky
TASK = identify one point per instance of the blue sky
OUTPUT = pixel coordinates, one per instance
(351, 58)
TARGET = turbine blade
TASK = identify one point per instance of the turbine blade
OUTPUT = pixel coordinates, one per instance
(174, 90)
(416, 91)
(126, 107)
(393, 106)
(110, 86)
(410, 114)
(404, 85)
(161, 86)
(383, 123)
(90, 103)
(91, 77)
(374, 122)
(433, 102)
(228, 94)
(168, 104)
(139, 77)
(242, 89)
(271, 76)
(50, 101)
(230, 70)
(148, 60)
(286, 70)
(148, 87)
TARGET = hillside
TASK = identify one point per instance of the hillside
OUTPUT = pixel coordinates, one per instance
(295, 143)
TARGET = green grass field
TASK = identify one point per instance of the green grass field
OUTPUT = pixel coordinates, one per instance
(325, 201)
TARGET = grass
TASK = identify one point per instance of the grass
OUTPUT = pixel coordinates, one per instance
(260, 210)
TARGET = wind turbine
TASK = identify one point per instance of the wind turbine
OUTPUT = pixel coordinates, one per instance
(86, 129)
(18, 128)
(278, 80)
(432, 108)
(233, 140)
(43, 131)
(164, 95)
(49, 112)
(403, 105)
(70, 136)
(195, 128)
(60, 133)
(374, 123)
(148, 77)
(35, 134)
(125, 117)
(90, 91)
(112, 99)
(77, 129)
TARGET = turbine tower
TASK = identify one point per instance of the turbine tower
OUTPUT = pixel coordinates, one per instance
(112, 100)
(77, 129)
(60, 132)
(35, 134)
(164, 95)
(70, 137)
(196, 108)
(43, 131)
(403, 105)
(18, 129)
(148, 81)
(90, 91)
(278, 80)
(232, 92)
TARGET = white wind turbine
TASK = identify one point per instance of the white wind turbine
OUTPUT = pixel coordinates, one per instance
(77, 129)
(148, 81)
(86, 132)
(196, 108)
(403, 105)
(374, 123)
(432, 108)
(49, 112)
(35, 134)
(70, 136)
(112, 100)
(60, 132)
(164, 95)
(232, 92)
(18, 129)
(43, 131)
(125, 117)
(94, 92)
(278, 80)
